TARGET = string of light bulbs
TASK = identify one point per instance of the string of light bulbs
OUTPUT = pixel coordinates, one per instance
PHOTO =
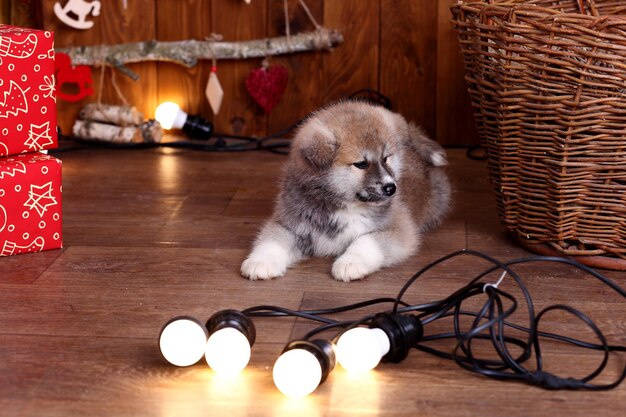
(226, 339)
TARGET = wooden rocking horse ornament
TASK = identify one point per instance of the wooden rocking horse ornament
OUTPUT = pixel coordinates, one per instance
(75, 13)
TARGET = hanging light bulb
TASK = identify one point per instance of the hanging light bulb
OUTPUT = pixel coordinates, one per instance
(182, 341)
(361, 349)
(170, 116)
(231, 336)
(388, 339)
(302, 366)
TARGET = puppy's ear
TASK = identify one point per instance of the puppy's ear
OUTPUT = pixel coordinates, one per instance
(429, 150)
(320, 147)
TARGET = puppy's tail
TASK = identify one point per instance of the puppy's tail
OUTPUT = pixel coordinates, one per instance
(429, 150)
(439, 203)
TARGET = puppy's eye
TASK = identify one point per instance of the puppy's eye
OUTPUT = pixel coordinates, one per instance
(386, 159)
(361, 164)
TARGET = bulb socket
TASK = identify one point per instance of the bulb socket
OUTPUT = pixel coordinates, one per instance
(321, 349)
(196, 127)
(403, 331)
(234, 319)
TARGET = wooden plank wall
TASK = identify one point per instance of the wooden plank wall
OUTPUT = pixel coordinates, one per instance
(5, 12)
(405, 49)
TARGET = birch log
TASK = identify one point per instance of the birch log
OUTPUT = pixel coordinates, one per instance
(117, 115)
(188, 52)
(150, 132)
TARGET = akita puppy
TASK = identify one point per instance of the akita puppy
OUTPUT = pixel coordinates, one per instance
(360, 184)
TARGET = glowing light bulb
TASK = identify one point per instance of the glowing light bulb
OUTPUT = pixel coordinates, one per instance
(232, 335)
(361, 349)
(170, 116)
(297, 373)
(302, 366)
(227, 351)
(182, 341)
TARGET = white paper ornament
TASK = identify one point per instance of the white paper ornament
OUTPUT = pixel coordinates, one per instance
(79, 8)
(214, 91)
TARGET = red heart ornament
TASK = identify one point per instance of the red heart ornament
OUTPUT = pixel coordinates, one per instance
(267, 85)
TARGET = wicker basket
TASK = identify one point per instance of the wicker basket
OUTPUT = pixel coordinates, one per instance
(548, 83)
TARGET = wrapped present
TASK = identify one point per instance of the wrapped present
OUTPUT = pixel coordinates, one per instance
(30, 203)
(27, 90)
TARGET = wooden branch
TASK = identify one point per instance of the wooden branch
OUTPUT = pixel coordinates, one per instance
(188, 52)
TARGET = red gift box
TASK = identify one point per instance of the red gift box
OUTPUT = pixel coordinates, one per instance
(27, 90)
(30, 204)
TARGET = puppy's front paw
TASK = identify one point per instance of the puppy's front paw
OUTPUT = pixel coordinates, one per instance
(349, 267)
(255, 268)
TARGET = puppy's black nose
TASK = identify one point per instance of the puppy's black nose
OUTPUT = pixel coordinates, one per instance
(389, 189)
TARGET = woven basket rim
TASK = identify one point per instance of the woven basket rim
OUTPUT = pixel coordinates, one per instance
(609, 28)
(532, 10)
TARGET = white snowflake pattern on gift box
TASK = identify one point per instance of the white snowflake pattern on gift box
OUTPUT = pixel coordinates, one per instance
(48, 88)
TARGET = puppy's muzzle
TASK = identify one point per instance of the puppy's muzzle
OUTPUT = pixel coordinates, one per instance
(377, 195)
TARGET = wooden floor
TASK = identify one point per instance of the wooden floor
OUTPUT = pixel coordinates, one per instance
(151, 234)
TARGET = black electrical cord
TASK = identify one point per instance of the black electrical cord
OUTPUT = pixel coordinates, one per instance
(275, 311)
(515, 326)
(372, 97)
(218, 143)
(491, 318)
(276, 142)
(490, 323)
